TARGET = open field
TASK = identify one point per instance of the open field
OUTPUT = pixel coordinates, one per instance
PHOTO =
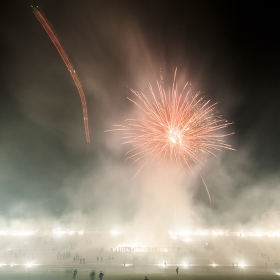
(119, 276)
(52, 257)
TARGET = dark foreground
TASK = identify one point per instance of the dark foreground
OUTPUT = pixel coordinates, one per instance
(126, 276)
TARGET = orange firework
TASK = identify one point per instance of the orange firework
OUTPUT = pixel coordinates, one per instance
(178, 127)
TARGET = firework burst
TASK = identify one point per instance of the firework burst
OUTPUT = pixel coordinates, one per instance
(178, 127)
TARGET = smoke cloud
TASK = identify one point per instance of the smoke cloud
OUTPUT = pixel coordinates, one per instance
(50, 175)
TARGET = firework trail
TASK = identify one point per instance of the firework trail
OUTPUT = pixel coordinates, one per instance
(68, 64)
(178, 127)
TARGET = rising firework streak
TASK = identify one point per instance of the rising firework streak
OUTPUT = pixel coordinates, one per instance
(68, 64)
(178, 127)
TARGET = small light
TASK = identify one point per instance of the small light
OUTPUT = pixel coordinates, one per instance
(242, 265)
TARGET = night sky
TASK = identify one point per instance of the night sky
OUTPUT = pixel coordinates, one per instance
(229, 50)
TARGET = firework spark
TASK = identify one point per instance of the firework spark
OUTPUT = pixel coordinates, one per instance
(178, 127)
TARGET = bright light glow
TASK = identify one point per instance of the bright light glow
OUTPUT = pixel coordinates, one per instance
(130, 245)
(30, 264)
(187, 240)
(242, 265)
(184, 234)
(256, 234)
(23, 233)
(215, 233)
(58, 232)
(173, 236)
(214, 265)
(2, 264)
(18, 232)
(66, 232)
(115, 232)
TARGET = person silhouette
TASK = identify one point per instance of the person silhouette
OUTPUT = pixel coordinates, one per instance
(177, 270)
(75, 273)
(101, 274)
(92, 275)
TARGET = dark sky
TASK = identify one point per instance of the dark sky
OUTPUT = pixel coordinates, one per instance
(227, 49)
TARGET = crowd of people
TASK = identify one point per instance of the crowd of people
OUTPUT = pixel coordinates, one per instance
(101, 274)
(91, 275)
(97, 250)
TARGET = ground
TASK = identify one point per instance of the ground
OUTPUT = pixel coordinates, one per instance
(126, 276)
